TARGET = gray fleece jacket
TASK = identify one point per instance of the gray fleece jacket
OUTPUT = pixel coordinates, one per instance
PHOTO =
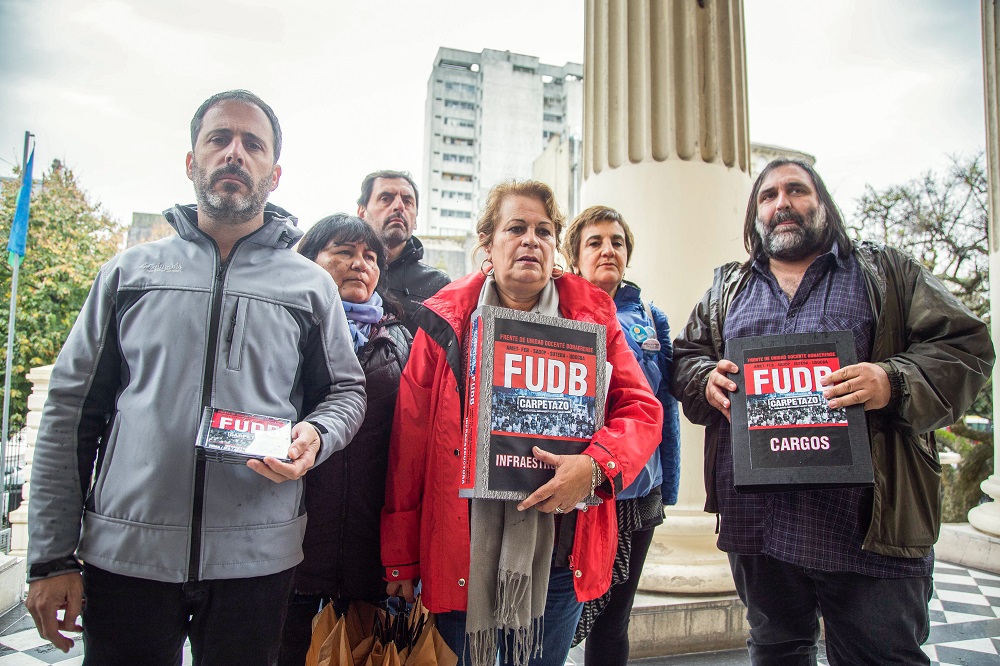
(166, 330)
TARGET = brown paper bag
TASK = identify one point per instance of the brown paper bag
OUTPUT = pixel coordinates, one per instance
(431, 650)
(322, 628)
(383, 655)
(362, 650)
(336, 651)
(360, 619)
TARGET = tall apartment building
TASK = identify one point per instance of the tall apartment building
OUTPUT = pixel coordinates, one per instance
(487, 118)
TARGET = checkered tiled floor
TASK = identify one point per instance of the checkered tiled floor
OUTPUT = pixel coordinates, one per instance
(965, 629)
(965, 617)
(965, 625)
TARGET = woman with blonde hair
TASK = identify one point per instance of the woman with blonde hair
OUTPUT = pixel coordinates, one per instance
(508, 574)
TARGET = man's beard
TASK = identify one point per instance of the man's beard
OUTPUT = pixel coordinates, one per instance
(395, 236)
(230, 206)
(792, 244)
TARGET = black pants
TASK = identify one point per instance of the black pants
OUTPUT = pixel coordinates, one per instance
(607, 643)
(131, 621)
(868, 620)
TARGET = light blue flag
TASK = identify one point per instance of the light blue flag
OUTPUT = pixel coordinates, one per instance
(19, 229)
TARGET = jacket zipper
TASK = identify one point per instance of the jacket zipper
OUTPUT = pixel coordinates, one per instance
(208, 383)
(345, 494)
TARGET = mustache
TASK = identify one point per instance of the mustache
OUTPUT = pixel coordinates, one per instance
(786, 216)
(231, 170)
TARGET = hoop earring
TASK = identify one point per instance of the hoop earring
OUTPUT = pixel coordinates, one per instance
(556, 275)
(482, 267)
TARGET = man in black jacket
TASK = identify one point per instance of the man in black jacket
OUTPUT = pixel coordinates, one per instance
(388, 202)
(860, 557)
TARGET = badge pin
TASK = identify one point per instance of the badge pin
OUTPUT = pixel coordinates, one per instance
(639, 333)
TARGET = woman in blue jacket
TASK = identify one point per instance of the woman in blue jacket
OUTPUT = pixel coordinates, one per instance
(598, 247)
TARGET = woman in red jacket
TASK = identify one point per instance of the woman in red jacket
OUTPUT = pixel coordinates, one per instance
(492, 570)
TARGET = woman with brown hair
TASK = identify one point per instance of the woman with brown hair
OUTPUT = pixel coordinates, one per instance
(492, 570)
(599, 247)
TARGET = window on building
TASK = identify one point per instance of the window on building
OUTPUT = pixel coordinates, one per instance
(452, 157)
(458, 122)
(551, 118)
(455, 213)
(457, 104)
(523, 70)
(459, 86)
(445, 64)
(456, 177)
(452, 194)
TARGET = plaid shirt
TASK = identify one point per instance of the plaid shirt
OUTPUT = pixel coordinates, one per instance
(818, 529)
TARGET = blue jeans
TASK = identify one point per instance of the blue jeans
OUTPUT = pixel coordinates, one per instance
(562, 612)
(868, 620)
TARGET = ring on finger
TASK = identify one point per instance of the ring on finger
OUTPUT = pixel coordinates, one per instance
(559, 509)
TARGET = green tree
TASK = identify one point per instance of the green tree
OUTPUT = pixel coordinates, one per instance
(942, 221)
(68, 240)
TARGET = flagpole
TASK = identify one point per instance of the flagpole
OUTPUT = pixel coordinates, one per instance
(10, 342)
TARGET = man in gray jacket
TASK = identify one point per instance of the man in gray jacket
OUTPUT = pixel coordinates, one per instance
(221, 315)
(860, 557)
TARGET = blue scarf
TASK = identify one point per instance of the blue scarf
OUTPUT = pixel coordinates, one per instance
(360, 317)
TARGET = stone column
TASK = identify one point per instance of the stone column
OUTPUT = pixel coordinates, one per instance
(986, 517)
(39, 378)
(666, 144)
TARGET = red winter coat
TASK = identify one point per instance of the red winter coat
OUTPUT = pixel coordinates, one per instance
(425, 525)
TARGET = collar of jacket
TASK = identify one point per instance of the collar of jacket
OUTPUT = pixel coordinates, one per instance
(279, 231)
(731, 278)
(628, 292)
(413, 251)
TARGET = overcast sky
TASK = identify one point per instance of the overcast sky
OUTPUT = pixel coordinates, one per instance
(879, 91)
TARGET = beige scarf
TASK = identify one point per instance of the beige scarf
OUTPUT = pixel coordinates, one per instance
(511, 554)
